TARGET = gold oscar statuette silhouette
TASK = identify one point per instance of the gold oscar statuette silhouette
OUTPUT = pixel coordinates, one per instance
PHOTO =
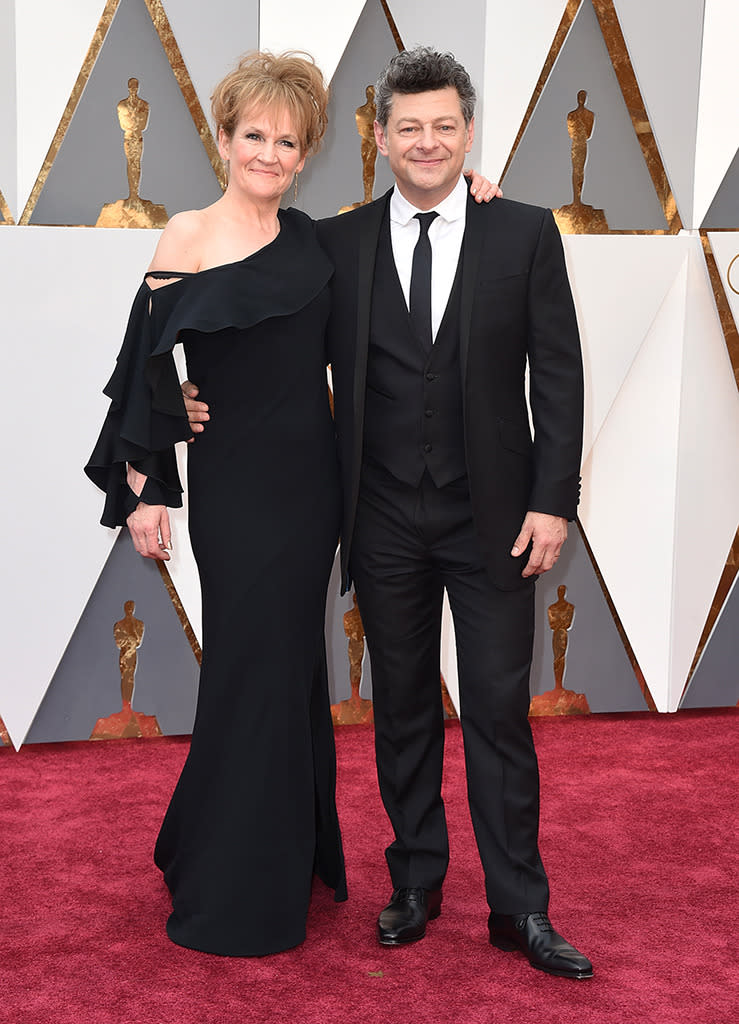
(128, 634)
(560, 701)
(4, 735)
(577, 217)
(365, 118)
(355, 709)
(133, 212)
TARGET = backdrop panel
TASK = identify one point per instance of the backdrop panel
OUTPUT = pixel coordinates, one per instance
(660, 492)
(664, 40)
(334, 178)
(90, 168)
(617, 179)
(715, 682)
(67, 292)
(52, 40)
(295, 25)
(87, 684)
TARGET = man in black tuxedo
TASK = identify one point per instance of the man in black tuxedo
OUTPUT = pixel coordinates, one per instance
(438, 305)
(444, 488)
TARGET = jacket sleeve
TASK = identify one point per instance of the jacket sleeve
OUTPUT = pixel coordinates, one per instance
(556, 378)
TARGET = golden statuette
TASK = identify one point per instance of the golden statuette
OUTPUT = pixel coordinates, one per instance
(133, 212)
(560, 701)
(355, 709)
(365, 118)
(577, 217)
(128, 634)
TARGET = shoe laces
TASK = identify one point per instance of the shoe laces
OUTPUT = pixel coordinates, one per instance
(541, 921)
(408, 893)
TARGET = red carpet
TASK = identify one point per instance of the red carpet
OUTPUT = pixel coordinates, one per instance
(638, 835)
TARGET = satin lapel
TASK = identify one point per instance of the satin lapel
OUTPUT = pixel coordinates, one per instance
(368, 239)
(471, 250)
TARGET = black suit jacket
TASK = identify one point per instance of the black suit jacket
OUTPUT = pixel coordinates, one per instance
(516, 306)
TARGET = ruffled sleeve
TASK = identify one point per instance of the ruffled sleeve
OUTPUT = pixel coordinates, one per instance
(146, 417)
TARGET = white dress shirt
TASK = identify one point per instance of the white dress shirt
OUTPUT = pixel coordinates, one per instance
(445, 234)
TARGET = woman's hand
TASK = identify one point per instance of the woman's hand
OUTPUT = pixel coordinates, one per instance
(150, 532)
(482, 189)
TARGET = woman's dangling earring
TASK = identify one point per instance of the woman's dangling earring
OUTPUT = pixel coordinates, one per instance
(296, 187)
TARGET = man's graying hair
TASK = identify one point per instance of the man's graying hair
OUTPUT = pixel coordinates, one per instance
(423, 70)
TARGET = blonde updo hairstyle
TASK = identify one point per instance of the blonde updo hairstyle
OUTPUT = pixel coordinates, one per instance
(288, 81)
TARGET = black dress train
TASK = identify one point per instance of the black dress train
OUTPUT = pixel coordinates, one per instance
(253, 815)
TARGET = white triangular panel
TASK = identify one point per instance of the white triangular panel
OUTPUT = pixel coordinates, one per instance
(52, 40)
(718, 126)
(296, 25)
(181, 566)
(518, 37)
(628, 492)
(210, 52)
(449, 654)
(663, 38)
(63, 352)
(708, 470)
(614, 309)
(8, 126)
(725, 246)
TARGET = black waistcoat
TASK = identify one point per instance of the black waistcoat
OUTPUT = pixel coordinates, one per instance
(413, 408)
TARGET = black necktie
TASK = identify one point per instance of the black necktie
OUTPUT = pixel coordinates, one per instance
(420, 297)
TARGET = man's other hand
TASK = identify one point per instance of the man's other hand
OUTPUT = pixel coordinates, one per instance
(548, 534)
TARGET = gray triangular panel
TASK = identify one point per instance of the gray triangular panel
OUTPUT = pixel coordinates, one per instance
(334, 177)
(724, 210)
(90, 168)
(596, 661)
(715, 682)
(617, 179)
(87, 684)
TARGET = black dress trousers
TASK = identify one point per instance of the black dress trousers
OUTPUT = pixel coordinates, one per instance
(408, 545)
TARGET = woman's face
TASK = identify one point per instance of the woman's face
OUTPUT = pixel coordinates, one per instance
(263, 154)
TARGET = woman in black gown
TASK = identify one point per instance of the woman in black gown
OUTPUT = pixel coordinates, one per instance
(244, 286)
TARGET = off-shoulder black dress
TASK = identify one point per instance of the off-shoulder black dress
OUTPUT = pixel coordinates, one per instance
(253, 815)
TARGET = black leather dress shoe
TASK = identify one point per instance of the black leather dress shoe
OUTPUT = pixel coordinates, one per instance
(404, 918)
(545, 948)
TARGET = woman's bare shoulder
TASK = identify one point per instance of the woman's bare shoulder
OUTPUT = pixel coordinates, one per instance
(181, 243)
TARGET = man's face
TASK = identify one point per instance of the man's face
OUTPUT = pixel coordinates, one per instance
(426, 141)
